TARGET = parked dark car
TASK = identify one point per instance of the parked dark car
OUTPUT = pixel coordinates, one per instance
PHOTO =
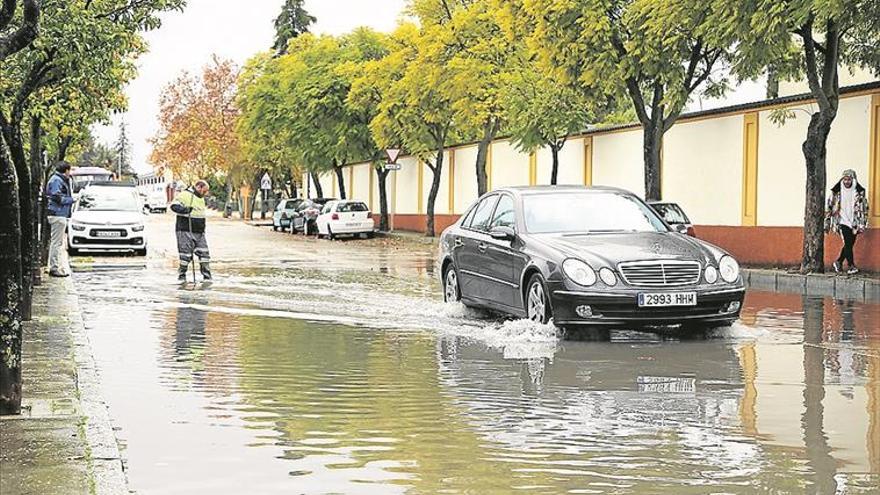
(303, 218)
(585, 257)
(672, 214)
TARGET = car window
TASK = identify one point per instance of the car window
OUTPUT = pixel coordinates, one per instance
(109, 199)
(483, 213)
(670, 212)
(351, 207)
(327, 208)
(504, 213)
(584, 213)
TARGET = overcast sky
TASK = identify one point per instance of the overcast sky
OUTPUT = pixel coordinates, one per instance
(236, 30)
(231, 29)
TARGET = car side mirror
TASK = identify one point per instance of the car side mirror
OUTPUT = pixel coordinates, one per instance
(681, 228)
(502, 233)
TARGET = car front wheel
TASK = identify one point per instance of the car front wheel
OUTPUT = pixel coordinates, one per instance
(450, 285)
(537, 300)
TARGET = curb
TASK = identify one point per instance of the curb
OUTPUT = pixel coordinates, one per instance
(106, 461)
(814, 284)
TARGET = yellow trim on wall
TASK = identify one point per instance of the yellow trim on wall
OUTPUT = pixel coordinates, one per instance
(451, 181)
(533, 168)
(588, 160)
(874, 164)
(489, 167)
(750, 170)
(421, 206)
(372, 184)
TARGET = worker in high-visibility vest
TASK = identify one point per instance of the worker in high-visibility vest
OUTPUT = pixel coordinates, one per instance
(189, 205)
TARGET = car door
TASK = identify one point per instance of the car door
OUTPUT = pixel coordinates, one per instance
(469, 254)
(324, 217)
(500, 257)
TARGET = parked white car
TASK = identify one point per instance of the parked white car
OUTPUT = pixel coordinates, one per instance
(345, 217)
(107, 217)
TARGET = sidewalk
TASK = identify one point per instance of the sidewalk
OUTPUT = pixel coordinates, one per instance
(63, 442)
(863, 287)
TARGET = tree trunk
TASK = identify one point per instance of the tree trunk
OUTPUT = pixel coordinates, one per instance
(36, 153)
(382, 174)
(554, 172)
(63, 146)
(814, 149)
(437, 170)
(317, 182)
(340, 180)
(653, 140)
(10, 287)
(27, 207)
(490, 129)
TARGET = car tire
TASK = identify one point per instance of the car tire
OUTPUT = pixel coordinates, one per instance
(370, 235)
(274, 228)
(537, 300)
(140, 252)
(330, 233)
(451, 288)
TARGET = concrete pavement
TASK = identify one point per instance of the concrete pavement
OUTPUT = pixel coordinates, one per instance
(63, 442)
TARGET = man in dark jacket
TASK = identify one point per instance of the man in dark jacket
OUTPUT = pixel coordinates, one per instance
(190, 207)
(60, 201)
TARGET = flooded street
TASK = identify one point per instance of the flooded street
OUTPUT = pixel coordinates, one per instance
(320, 367)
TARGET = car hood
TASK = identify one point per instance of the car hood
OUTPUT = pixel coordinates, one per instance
(613, 248)
(94, 217)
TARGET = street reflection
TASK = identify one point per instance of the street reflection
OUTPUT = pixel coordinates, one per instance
(255, 398)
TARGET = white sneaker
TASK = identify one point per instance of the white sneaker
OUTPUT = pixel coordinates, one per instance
(852, 271)
(836, 266)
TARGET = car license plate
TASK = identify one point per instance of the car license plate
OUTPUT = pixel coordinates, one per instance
(108, 233)
(351, 224)
(660, 299)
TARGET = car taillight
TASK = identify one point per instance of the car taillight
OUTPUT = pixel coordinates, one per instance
(334, 217)
(691, 232)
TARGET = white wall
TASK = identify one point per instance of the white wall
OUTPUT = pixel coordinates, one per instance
(702, 169)
(571, 163)
(509, 166)
(617, 161)
(407, 185)
(360, 189)
(465, 177)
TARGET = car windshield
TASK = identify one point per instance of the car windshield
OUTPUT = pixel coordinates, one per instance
(350, 207)
(108, 199)
(670, 212)
(588, 212)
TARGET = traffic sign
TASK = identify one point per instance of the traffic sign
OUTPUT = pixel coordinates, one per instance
(392, 154)
(392, 166)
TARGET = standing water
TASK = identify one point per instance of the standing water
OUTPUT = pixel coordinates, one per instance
(293, 377)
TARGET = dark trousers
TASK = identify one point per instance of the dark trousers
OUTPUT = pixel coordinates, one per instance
(849, 240)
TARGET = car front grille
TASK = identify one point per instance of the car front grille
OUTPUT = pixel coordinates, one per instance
(664, 273)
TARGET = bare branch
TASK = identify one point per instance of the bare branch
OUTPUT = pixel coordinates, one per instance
(7, 13)
(806, 33)
(25, 34)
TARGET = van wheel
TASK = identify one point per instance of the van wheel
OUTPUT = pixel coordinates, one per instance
(330, 234)
(274, 228)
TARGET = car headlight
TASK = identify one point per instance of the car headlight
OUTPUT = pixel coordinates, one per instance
(711, 274)
(77, 227)
(138, 228)
(607, 276)
(729, 269)
(579, 272)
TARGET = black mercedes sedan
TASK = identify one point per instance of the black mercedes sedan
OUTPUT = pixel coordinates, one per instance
(585, 256)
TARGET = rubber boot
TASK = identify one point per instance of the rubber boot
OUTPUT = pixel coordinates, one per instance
(205, 268)
(181, 272)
